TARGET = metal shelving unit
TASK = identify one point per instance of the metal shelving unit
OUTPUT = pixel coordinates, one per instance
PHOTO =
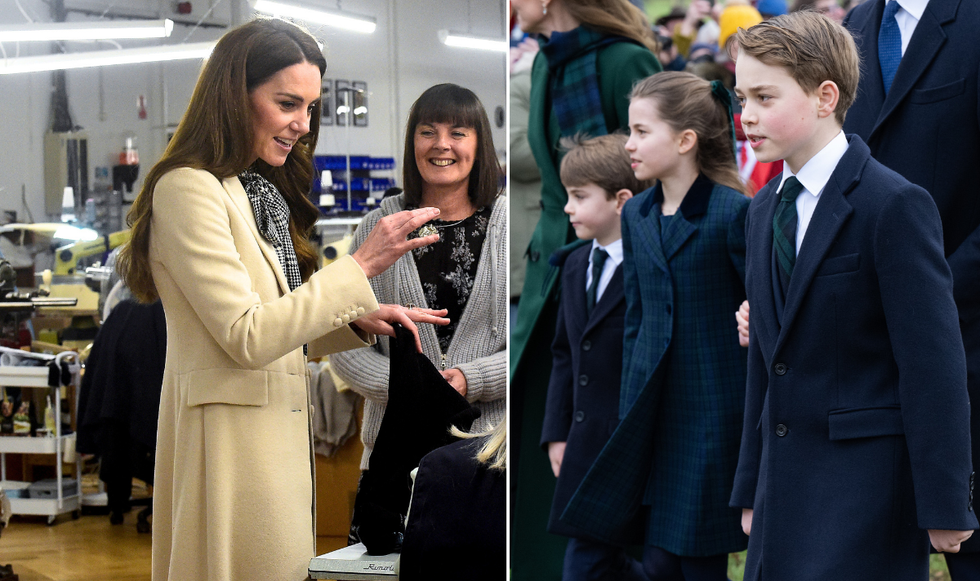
(60, 503)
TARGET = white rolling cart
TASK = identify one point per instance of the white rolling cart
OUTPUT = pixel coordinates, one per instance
(59, 502)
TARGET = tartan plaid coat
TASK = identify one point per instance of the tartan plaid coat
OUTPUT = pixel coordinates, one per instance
(675, 450)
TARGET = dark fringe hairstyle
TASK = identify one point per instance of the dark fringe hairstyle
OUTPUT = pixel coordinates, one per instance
(455, 105)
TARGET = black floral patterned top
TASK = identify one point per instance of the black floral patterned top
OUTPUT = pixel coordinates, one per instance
(447, 268)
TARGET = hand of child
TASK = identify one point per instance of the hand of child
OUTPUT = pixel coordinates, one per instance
(456, 379)
(747, 521)
(948, 541)
(742, 319)
(556, 451)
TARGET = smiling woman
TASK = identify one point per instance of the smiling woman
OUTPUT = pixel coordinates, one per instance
(220, 236)
(281, 111)
(450, 163)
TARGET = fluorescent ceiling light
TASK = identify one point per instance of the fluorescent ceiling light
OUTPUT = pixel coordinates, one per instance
(79, 60)
(336, 19)
(470, 41)
(49, 31)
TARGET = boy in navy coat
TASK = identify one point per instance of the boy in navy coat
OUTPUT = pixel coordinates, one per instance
(582, 408)
(856, 444)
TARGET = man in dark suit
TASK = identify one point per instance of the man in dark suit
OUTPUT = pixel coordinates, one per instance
(582, 408)
(926, 127)
(857, 375)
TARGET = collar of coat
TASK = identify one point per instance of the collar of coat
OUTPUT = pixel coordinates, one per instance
(695, 202)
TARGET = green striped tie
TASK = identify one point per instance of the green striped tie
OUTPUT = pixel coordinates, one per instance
(784, 229)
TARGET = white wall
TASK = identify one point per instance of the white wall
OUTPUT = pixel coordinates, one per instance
(400, 60)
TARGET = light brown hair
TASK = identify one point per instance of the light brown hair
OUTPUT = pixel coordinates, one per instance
(602, 161)
(812, 48)
(215, 134)
(460, 107)
(686, 101)
(616, 17)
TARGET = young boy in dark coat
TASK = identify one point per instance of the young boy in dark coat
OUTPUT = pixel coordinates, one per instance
(856, 444)
(582, 408)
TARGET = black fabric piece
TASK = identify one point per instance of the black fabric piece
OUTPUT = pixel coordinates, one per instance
(421, 408)
(54, 375)
(119, 399)
(65, 374)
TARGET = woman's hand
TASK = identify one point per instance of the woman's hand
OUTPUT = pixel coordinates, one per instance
(456, 379)
(388, 240)
(380, 322)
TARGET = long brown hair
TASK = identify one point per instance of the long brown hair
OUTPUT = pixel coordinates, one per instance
(458, 106)
(617, 17)
(685, 101)
(215, 134)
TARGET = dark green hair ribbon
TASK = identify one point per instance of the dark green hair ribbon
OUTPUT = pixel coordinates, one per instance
(719, 91)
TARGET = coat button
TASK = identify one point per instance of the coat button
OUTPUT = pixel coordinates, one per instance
(535, 256)
(583, 380)
(781, 369)
(338, 323)
(346, 318)
(586, 345)
(667, 308)
(360, 311)
(580, 416)
(781, 430)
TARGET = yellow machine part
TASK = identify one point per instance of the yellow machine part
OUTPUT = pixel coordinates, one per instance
(66, 258)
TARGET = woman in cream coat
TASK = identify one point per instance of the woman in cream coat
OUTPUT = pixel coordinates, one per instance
(218, 235)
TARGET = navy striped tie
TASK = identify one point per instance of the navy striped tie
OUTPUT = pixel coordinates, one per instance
(599, 257)
(784, 229)
(889, 44)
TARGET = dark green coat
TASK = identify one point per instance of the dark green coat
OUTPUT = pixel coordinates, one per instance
(535, 554)
(620, 66)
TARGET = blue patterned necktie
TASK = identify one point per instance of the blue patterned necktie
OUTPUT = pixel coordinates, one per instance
(889, 44)
(599, 257)
(784, 229)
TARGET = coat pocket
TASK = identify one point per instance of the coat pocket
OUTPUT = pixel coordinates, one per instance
(839, 265)
(866, 423)
(229, 386)
(941, 93)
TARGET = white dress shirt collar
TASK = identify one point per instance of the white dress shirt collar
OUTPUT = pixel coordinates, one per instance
(615, 252)
(814, 175)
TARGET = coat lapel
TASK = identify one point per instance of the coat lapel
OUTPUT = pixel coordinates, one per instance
(612, 296)
(240, 198)
(676, 234)
(829, 217)
(574, 292)
(695, 204)
(761, 259)
(648, 231)
(926, 41)
(871, 82)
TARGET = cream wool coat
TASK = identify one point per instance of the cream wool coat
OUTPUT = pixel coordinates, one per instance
(233, 496)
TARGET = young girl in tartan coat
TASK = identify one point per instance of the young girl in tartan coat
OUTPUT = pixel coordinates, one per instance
(670, 464)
